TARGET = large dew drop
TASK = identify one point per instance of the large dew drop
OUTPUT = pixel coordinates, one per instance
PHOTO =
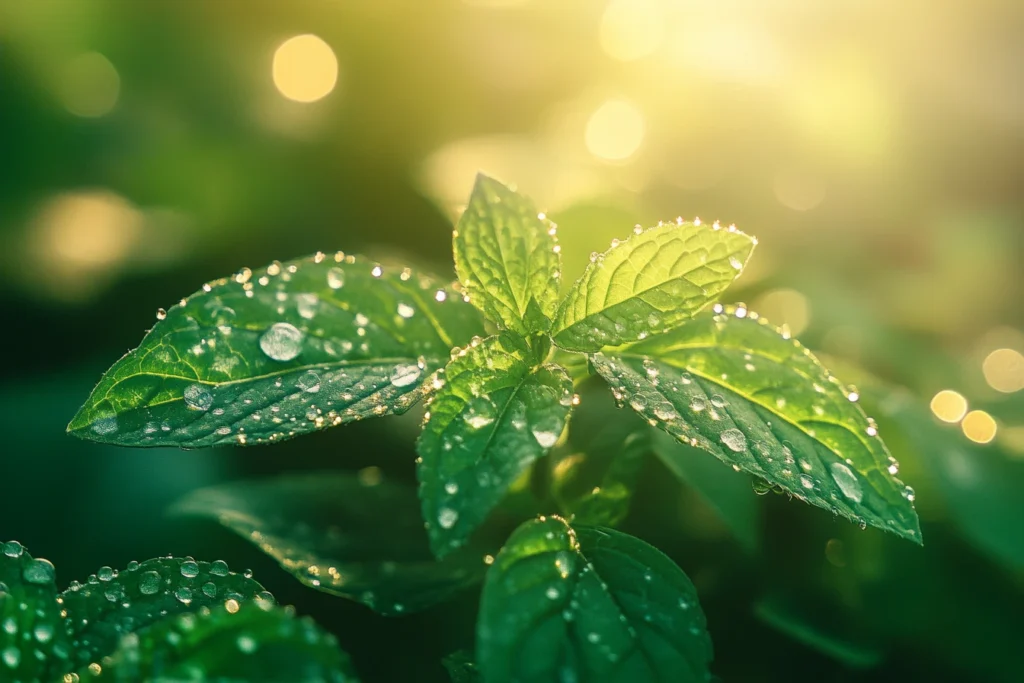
(39, 572)
(734, 439)
(404, 375)
(847, 481)
(283, 341)
(198, 397)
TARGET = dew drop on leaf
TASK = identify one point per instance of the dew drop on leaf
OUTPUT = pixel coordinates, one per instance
(309, 382)
(198, 397)
(734, 440)
(447, 518)
(404, 375)
(282, 341)
(39, 572)
(149, 582)
(846, 481)
(335, 278)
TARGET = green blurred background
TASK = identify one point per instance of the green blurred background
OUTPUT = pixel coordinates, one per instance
(875, 148)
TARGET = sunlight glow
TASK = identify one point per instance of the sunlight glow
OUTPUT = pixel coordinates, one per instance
(615, 131)
(305, 68)
(631, 29)
(1004, 370)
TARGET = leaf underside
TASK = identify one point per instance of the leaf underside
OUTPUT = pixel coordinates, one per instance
(737, 388)
(588, 604)
(278, 352)
(350, 535)
(494, 416)
(653, 281)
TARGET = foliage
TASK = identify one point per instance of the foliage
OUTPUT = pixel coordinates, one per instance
(270, 354)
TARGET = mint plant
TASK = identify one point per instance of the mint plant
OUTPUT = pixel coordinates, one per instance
(163, 619)
(498, 356)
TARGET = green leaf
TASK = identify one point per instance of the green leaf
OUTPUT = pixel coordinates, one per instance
(655, 280)
(506, 256)
(783, 615)
(114, 603)
(727, 493)
(737, 388)
(228, 643)
(283, 351)
(355, 536)
(495, 415)
(593, 479)
(33, 640)
(589, 604)
(461, 668)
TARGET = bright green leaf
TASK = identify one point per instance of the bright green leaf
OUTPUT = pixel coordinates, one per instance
(733, 386)
(655, 280)
(228, 643)
(33, 640)
(279, 352)
(507, 258)
(114, 603)
(495, 415)
(350, 535)
(727, 493)
(588, 604)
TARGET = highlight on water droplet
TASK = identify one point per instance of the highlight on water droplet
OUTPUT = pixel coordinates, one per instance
(282, 341)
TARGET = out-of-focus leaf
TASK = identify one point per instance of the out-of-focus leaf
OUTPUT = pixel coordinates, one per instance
(735, 387)
(33, 639)
(495, 415)
(507, 258)
(462, 668)
(728, 493)
(228, 642)
(350, 535)
(588, 604)
(650, 283)
(282, 351)
(114, 603)
(784, 618)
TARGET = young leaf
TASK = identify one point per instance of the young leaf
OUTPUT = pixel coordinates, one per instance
(111, 603)
(655, 280)
(33, 640)
(279, 352)
(228, 642)
(733, 386)
(506, 256)
(350, 535)
(495, 415)
(589, 604)
(727, 493)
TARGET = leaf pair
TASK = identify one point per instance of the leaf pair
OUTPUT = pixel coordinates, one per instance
(166, 618)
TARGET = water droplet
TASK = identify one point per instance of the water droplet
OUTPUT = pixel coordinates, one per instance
(734, 439)
(307, 305)
(198, 397)
(246, 644)
(451, 488)
(479, 413)
(377, 271)
(447, 518)
(104, 573)
(698, 404)
(282, 341)
(847, 481)
(190, 569)
(404, 375)
(552, 593)
(13, 549)
(406, 311)
(105, 425)
(735, 262)
(309, 382)
(718, 402)
(806, 481)
(149, 582)
(161, 314)
(335, 278)
(11, 656)
(43, 632)
(209, 589)
(219, 568)
(183, 594)
(547, 430)
(39, 572)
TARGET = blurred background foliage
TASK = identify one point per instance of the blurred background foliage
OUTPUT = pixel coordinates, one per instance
(875, 148)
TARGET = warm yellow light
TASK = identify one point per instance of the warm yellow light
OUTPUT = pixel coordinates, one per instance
(615, 131)
(797, 191)
(631, 29)
(89, 85)
(1004, 370)
(979, 426)
(785, 307)
(949, 406)
(305, 68)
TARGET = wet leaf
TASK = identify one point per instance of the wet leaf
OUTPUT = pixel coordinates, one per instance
(228, 642)
(727, 493)
(355, 536)
(495, 415)
(282, 351)
(507, 258)
(114, 603)
(653, 281)
(33, 640)
(588, 604)
(737, 388)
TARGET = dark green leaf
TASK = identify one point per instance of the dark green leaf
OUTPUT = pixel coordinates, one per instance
(588, 604)
(784, 617)
(33, 639)
(229, 644)
(734, 386)
(495, 415)
(279, 352)
(507, 258)
(462, 668)
(114, 603)
(728, 493)
(350, 535)
(652, 282)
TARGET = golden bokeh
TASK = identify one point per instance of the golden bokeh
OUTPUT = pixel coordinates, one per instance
(305, 68)
(979, 426)
(615, 131)
(631, 29)
(949, 405)
(1004, 370)
(89, 85)
(785, 307)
